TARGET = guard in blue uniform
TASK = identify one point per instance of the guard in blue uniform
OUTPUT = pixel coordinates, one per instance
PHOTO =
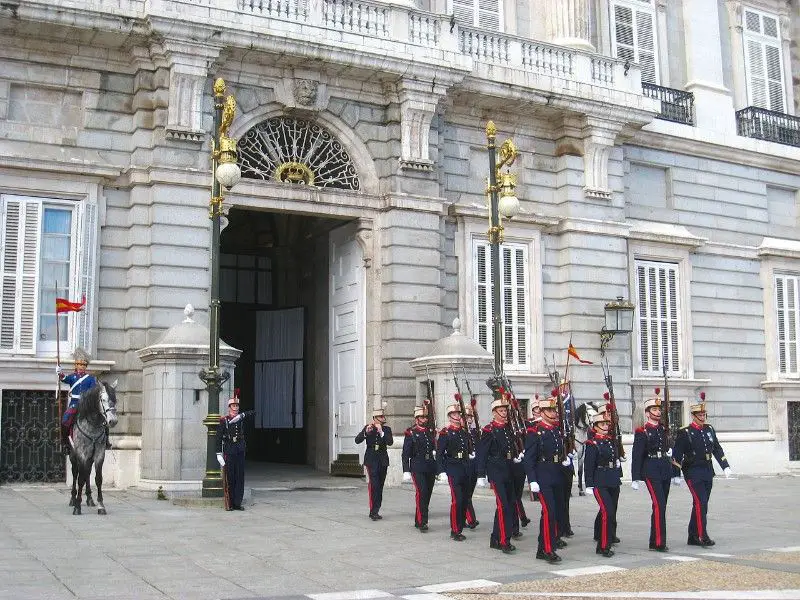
(543, 458)
(453, 451)
(496, 453)
(603, 471)
(471, 519)
(651, 464)
(79, 381)
(378, 436)
(694, 447)
(419, 465)
(533, 423)
(564, 524)
(518, 481)
(231, 449)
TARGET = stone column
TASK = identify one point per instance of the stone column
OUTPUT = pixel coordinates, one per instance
(712, 100)
(567, 24)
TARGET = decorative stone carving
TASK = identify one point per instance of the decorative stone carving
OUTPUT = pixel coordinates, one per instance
(735, 12)
(305, 91)
(592, 138)
(302, 90)
(418, 101)
(363, 236)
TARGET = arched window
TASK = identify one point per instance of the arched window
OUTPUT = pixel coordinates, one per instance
(296, 151)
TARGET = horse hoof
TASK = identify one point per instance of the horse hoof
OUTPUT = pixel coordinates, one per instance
(72, 501)
(582, 493)
(101, 511)
(76, 510)
(90, 502)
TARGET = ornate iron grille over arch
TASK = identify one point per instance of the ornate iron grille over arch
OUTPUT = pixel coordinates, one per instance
(296, 151)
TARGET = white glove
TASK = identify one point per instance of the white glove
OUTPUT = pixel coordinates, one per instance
(676, 481)
(472, 455)
(380, 433)
(534, 487)
(406, 477)
(442, 478)
(481, 482)
(220, 460)
(521, 455)
(573, 455)
(59, 370)
(517, 460)
(433, 454)
(590, 490)
(669, 453)
(728, 472)
(635, 485)
(566, 462)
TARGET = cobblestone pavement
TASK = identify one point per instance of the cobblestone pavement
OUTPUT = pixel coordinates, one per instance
(306, 535)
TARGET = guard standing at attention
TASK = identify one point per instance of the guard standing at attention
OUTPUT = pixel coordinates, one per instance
(471, 519)
(544, 454)
(495, 455)
(419, 465)
(694, 447)
(231, 449)
(651, 464)
(603, 471)
(452, 457)
(378, 436)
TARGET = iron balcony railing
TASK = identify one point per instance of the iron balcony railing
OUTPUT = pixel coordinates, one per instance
(768, 125)
(676, 105)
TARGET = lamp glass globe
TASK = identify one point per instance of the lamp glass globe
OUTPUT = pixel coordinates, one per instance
(228, 174)
(508, 206)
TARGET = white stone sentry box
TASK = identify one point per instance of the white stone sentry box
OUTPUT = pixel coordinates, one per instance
(455, 353)
(174, 405)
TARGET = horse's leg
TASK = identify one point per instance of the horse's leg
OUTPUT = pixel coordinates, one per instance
(82, 477)
(98, 480)
(581, 492)
(74, 464)
(89, 499)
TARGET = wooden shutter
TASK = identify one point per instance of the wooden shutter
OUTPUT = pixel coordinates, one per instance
(84, 333)
(514, 301)
(763, 61)
(20, 274)
(788, 316)
(486, 14)
(634, 38)
(659, 316)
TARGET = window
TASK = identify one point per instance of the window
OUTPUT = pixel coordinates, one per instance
(659, 311)
(514, 308)
(633, 35)
(42, 260)
(787, 307)
(763, 61)
(487, 14)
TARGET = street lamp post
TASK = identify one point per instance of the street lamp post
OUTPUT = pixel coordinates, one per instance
(225, 173)
(503, 202)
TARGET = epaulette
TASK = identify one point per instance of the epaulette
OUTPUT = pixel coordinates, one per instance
(531, 429)
(408, 431)
(590, 441)
(487, 428)
(640, 430)
(443, 431)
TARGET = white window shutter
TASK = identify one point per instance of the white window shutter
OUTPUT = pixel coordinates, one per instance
(634, 39)
(646, 46)
(29, 288)
(659, 316)
(763, 62)
(490, 15)
(86, 282)
(624, 39)
(483, 319)
(787, 308)
(464, 11)
(521, 318)
(12, 210)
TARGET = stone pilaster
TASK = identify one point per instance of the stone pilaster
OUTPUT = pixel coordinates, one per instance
(593, 139)
(418, 101)
(567, 24)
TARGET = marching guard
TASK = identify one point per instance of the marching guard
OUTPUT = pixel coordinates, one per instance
(695, 444)
(544, 453)
(378, 436)
(494, 458)
(453, 457)
(231, 450)
(568, 465)
(472, 474)
(651, 464)
(419, 465)
(603, 472)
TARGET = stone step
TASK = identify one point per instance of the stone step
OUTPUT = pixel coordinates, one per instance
(347, 465)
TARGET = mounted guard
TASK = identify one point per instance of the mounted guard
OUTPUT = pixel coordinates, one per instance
(79, 381)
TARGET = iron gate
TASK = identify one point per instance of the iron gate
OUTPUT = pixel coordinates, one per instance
(793, 415)
(29, 437)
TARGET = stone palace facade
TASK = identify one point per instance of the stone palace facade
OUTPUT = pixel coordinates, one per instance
(660, 163)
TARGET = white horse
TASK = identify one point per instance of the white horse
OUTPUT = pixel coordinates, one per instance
(583, 421)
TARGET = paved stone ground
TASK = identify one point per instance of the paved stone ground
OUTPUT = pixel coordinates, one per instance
(308, 535)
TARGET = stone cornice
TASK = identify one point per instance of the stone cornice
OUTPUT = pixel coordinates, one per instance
(481, 213)
(416, 203)
(781, 248)
(72, 168)
(593, 226)
(664, 233)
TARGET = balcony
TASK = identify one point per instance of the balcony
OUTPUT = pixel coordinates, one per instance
(676, 105)
(763, 124)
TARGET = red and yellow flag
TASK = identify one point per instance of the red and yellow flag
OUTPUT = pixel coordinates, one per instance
(574, 354)
(63, 305)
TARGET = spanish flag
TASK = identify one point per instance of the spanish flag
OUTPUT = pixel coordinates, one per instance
(63, 305)
(574, 354)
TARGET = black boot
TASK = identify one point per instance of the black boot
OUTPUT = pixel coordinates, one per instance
(607, 552)
(708, 541)
(108, 439)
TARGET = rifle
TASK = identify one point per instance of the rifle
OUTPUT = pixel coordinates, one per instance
(609, 396)
(473, 402)
(569, 436)
(430, 402)
(516, 419)
(665, 411)
(462, 409)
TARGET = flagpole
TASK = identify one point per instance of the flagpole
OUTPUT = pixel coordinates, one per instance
(58, 363)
